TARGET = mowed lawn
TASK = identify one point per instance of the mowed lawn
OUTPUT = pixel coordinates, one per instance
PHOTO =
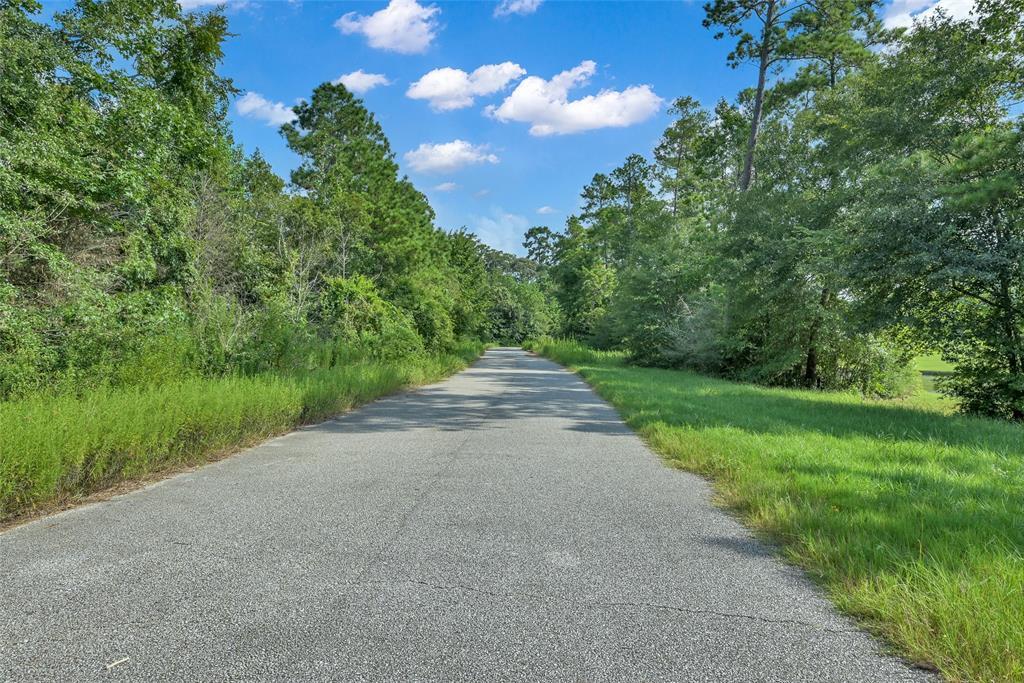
(911, 518)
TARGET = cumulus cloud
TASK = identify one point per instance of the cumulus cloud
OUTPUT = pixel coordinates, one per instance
(446, 187)
(500, 229)
(546, 106)
(359, 81)
(446, 157)
(545, 210)
(255, 106)
(447, 89)
(404, 26)
(507, 7)
(902, 13)
(481, 193)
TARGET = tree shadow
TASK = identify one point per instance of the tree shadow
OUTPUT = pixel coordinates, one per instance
(955, 500)
(505, 385)
(696, 401)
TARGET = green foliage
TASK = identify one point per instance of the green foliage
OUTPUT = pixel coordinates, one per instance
(875, 191)
(139, 246)
(56, 448)
(519, 311)
(937, 235)
(356, 315)
(910, 518)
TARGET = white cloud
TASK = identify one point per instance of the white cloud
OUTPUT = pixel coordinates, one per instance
(448, 156)
(446, 187)
(360, 81)
(500, 229)
(902, 13)
(404, 26)
(481, 193)
(545, 210)
(546, 106)
(255, 106)
(507, 7)
(448, 88)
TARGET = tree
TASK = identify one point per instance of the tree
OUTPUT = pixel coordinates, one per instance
(541, 244)
(762, 48)
(829, 36)
(379, 225)
(936, 228)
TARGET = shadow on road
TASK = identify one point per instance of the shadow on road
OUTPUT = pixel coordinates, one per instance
(505, 384)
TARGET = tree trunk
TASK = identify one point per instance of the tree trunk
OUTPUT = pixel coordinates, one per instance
(811, 364)
(1013, 359)
(762, 76)
(811, 367)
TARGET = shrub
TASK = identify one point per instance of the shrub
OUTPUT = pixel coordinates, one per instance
(873, 367)
(984, 387)
(357, 316)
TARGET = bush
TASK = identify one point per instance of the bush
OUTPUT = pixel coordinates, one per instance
(693, 338)
(357, 317)
(982, 386)
(25, 358)
(519, 311)
(433, 323)
(873, 367)
(94, 339)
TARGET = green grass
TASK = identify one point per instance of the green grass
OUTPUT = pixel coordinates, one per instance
(932, 363)
(55, 449)
(912, 519)
(931, 368)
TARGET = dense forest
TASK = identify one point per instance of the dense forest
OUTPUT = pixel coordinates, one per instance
(139, 244)
(861, 203)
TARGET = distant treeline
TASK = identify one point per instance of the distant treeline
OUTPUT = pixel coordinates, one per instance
(139, 244)
(862, 203)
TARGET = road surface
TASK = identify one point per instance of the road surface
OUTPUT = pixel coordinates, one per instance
(501, 525)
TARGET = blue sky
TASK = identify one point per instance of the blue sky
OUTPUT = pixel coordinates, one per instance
(496, 183)
(501, 148)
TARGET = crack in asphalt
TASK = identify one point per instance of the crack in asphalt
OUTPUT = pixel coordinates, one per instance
(406, 518)
(599, 604)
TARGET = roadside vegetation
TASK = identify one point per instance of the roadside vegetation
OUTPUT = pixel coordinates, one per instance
(164, 295)
(910, 518)
(861, 205)
(57, 449)
(814, 295)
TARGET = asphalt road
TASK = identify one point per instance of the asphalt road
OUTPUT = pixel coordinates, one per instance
(501, 525)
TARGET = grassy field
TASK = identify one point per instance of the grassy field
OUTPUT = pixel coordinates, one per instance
(56, 449)
(912, 519)
(931, 368)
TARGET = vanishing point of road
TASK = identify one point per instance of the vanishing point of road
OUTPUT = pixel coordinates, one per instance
(501, 525)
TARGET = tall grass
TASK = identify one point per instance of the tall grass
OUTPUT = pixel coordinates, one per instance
(56, 448)
(912, 519)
